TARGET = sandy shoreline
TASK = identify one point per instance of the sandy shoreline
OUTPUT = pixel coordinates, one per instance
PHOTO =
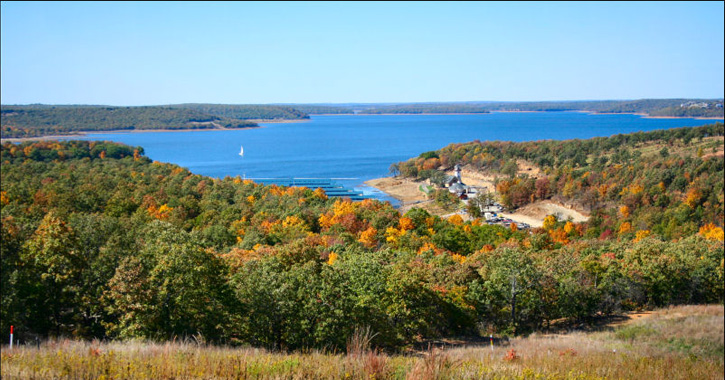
(402, 189)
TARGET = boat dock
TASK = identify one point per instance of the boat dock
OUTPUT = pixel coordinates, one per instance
(328, 185)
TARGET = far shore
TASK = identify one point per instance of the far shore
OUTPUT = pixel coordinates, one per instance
(117, 131)
(643, 115)
(120, 131)
(278, 121)
(647, 116)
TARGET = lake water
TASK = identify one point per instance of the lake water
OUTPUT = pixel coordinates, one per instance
(362, 147)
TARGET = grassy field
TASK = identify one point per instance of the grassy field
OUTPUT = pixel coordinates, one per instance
(683, 342)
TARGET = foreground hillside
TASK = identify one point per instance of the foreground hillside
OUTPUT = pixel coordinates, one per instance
(100, 242)
(676, 343)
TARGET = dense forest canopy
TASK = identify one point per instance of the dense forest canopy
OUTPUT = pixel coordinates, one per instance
(98, 241)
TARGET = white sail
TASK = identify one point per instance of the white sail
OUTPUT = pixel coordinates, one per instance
(241, 152)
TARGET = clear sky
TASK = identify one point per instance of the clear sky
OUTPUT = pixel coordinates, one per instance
(335, 52)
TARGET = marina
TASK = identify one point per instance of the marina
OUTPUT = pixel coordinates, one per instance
(328, 185)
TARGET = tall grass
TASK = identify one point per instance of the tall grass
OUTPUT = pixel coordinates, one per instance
(675, 343)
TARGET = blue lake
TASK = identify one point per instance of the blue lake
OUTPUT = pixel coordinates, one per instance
(362, 147)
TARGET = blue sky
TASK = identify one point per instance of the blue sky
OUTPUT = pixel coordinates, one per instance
(336, 52)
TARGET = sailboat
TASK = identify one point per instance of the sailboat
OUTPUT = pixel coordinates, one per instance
(241, 151)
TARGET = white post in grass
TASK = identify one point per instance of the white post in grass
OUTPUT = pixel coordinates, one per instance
(11, 337)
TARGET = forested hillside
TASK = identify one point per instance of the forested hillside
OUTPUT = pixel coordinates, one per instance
(666, 182)
(321, 109)
(100, 242)
(247, 111)
(651, 107)
(40, 120)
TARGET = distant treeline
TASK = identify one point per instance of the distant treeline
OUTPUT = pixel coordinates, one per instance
(427, 108)
(688, 112)
(652, 107)
(599, 106)
(315, 109)
(40, 120)
(247, 111)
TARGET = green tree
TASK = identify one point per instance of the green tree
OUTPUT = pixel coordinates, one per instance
(508, 291)
(180, 286)
(53, 253)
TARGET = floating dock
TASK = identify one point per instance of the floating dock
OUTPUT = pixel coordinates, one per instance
(328, 185)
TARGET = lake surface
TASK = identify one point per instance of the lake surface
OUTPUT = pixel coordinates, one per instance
(362, 147)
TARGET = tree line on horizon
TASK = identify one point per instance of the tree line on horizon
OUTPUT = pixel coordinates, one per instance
(100, 242)
(40, 120)
(247, 111)
(651, 107)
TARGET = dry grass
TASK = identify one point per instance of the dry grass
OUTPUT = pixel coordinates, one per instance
(676, 343)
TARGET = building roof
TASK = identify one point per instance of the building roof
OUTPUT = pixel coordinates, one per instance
(451, 179)
(457, 187)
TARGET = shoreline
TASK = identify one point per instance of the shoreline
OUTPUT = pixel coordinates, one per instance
(118, 131)
(278, 121)
(403, 190)
(384, 184)
(643, 115)
(420, 114)
(647, 116)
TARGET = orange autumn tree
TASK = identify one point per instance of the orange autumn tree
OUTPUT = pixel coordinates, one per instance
(624, 210)
(692, 197)
(625, 228)
(712, 232)
(340, 210)
(368, 238)
(405, 223)
(641, 234)
(456, 220)
(163, 212)
(549, 222)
